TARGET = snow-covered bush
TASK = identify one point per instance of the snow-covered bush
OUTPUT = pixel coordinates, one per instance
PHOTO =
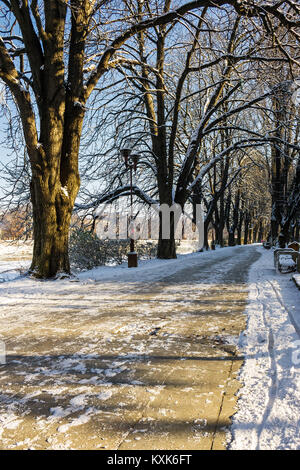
(87, 251)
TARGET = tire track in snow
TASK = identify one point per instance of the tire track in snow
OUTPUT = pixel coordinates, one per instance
(273, 375)
(290, 315)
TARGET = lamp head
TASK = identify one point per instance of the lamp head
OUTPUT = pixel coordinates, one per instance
(135, 158)
(125, 152)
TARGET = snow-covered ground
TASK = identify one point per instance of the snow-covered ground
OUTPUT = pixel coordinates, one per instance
(138, 357)
(269, 404)
(14, 259)
(296, 278)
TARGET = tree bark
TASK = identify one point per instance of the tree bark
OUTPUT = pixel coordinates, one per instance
(51, 221)
(235, 219)
(167, 246)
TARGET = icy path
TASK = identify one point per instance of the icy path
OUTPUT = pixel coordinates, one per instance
(268, 416)
(141, 358)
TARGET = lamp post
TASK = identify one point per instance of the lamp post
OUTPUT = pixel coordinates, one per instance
(131, 161)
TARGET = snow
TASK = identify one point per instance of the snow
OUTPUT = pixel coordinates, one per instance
(14, 259)
(296, 278)
(267, 414)
(78, 104)
(268, 407)
(65, 191)
(286, 261)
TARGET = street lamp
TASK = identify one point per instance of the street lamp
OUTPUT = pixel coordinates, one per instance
(131, 161)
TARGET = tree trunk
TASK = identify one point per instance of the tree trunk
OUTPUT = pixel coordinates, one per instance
(260, 235)
(274, 228)
(231, 238)
(246, 228)
(285, 233)
(221, 222)
(52, 212)
(235, 219)
(166, 246)
(166, 249)
(205, 241)
(239, 229)
(297, 231)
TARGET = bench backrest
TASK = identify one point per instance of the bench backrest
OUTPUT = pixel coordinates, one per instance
(294, 245)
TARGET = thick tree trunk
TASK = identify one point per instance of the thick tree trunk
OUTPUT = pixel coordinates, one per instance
(51, 220)
(166, 249)
(166, 246)
(231, 241)
(205, 240)
(274, 229)
(285, 233)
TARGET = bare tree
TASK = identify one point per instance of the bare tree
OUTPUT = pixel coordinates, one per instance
(188, 118)
(44, 53)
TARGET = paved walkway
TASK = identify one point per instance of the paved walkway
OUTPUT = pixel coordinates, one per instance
(147, 365)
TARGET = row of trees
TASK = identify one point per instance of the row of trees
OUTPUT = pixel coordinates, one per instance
(201, 105)
(196, 87)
